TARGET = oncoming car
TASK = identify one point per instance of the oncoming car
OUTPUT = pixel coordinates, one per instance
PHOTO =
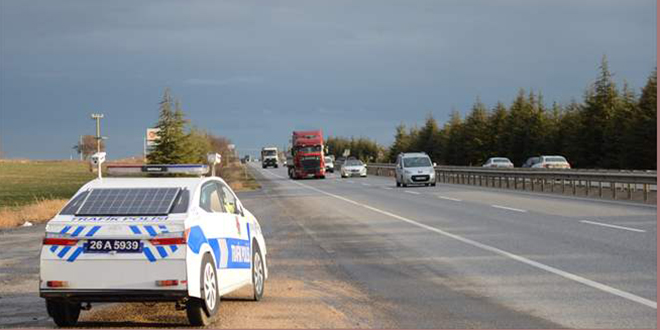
(414, 168)
(176, 239)
(353, 167)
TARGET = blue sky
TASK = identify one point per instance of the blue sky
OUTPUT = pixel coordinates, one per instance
(253, 71)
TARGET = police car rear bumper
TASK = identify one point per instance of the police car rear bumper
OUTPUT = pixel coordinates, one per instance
(114, 295)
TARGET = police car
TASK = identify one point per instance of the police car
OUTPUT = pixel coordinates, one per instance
(176, 239)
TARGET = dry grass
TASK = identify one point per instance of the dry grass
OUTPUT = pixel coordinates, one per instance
(238, 177)
(39, 212)
(36, 190)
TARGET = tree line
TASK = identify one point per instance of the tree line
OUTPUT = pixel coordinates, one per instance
(181, 143)
(611, 127)
(361, 148)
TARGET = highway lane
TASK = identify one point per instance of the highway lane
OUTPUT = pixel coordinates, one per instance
(589, 274)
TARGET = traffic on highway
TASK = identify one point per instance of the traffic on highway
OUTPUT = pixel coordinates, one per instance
(415, 164)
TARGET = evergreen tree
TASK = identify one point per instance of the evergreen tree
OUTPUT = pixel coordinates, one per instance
(455, 146)
(429, 139)
(476, 135)
(601, 101)
(401, 143)
(172, 147)
(497, 145)
(642, 131)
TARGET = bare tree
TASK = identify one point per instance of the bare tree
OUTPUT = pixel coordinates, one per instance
(87, 146)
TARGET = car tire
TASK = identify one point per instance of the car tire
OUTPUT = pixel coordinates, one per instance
(200, 311)
(398, 184)
(65, 314)
(404, 185)
(276, 166)
(258, 274)
(433, 184)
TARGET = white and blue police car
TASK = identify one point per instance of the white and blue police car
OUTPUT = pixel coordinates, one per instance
(186, 240)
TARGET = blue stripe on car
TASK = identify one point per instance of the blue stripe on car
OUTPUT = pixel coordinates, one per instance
(161, 251)
(93, 231)
(78, 231)
(135, 230)
(75, 254)
(150, 230)
(150, 256)
(64, 251)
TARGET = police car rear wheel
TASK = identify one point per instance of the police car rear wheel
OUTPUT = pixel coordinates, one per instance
(64, 314)
(258, 274)
(200, 311)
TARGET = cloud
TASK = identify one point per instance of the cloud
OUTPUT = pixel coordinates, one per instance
(238, 80)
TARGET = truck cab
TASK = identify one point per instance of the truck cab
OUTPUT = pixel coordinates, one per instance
(269, 157)
(307, 155)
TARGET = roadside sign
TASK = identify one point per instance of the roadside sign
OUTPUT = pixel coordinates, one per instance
(152, 136)
(346, 153)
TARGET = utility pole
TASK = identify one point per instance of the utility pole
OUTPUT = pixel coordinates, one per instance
(98, 117)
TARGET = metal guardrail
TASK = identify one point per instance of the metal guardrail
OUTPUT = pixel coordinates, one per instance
(592, 183)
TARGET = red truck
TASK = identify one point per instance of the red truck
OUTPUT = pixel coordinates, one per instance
(307, 155)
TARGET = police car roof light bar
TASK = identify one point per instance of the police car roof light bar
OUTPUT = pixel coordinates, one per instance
(138, 169)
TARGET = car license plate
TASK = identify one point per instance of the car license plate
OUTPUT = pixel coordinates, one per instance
(113, 245)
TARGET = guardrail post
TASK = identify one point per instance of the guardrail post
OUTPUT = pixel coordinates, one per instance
(563, 185)
(629, 192)
(600, 189)
(531, 180)
(543, 185)
(573, 185)
(588, 183)
(613, 186)
(646, 192)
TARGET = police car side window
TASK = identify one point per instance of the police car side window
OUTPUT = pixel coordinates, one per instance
(209, 199)
(230, 204)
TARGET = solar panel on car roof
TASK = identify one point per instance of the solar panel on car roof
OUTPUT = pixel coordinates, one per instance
(128, 201)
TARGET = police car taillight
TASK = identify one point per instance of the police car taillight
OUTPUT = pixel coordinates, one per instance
(167, 283)
(57, 284)
(59, 241)
(168, 241)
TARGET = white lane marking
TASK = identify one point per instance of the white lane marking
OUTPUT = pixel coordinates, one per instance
(350, 181)
(412, 192)
(388, 188)
(508, 208)
(450, 199)
(550, 269)
(613, 226)
(366, 184)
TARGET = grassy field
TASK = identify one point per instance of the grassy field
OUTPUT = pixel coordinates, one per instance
(36, 190)
(26, 182)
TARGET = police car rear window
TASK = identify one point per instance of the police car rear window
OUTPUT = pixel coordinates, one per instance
(128, 201)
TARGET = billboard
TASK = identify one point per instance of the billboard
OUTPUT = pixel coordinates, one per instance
(152, 136)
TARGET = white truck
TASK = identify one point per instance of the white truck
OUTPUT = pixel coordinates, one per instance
(269, 157)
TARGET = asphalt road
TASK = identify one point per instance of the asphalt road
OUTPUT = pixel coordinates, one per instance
(457, 256)
(361, 253)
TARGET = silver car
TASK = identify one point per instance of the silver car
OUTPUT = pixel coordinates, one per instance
(414, 168)
(353, 167)
(498, 162)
